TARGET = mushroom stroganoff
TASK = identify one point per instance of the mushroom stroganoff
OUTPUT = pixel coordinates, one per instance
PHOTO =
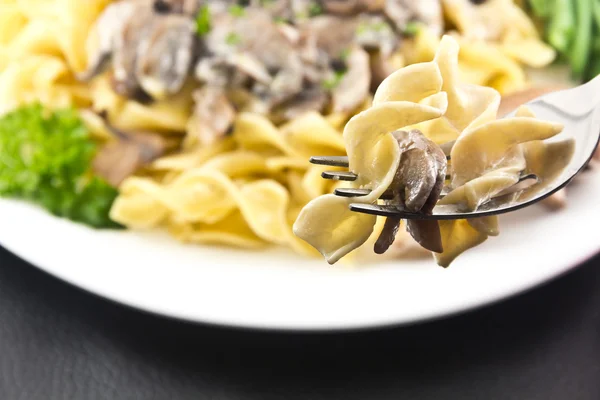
(199, 116)
(394, 145)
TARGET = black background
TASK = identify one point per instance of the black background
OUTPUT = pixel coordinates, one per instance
(58, 342)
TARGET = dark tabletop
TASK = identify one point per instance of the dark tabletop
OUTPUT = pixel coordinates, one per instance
(58, 342)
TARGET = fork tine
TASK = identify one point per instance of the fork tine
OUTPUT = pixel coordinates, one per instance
(524, 182)
(333, 161)
(528, 180)
(348, 192)
(439, 213)
(340, 175)
(393, 211)
(381, 210)
(336, 161)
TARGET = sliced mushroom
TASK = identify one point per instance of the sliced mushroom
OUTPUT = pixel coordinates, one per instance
(352, 7)
(278, 9)
(405, 246)
(416, 187)
(213, 115)
(248, 64)
(165, 56)
(353, 87)
(333, 35)
(216, 70)
(381, 68)
(125, 51)
(375, 34)
(130, 152)
(301, 9)
(334, 61)
(151, 52)
(290, 32)
(254, 45)
(388, 234)
(401, 12)
(109, 29)
(313, 99)
(342, 7)
(188, 7)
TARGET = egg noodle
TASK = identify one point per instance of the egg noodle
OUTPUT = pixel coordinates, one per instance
(248, 189)
(486, 158)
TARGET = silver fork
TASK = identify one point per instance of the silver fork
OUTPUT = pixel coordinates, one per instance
(578, 109)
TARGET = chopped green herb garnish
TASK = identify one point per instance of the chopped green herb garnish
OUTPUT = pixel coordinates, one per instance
(334, 81)
(280, 20)
(363, 27)
(237, 11)
(203, 24)
(45, 158)
(266, 2)
(344, 54)
(411, 28)
(315, 9)
(233, 39)
(366, 26)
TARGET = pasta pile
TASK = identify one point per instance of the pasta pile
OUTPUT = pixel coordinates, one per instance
(496, 39)
(245, 191)
(409, 96)
(42, 42)
(248, 189)
(487, 157)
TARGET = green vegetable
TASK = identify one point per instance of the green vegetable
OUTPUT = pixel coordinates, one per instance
(203, 25)
(411, 28)
(345, 54)
(542, 8)
(379, 26)
(315, 9)
(237, 11)
(595, 65)
(573, 29)
(595, 58)
(561, 26)
(597, 17)
(233, 39)
(334, 81)
(580, 54)
(45, 158)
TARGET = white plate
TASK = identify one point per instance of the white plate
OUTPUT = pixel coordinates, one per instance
(279, 290)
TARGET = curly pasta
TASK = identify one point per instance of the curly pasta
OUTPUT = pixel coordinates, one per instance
(245, 191)
(409, 96)
(496, 39)
(42, 42)
(487, 156)
(248, 189)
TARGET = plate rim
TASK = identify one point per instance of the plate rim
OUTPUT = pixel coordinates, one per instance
(204, 288)
(350, 327)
